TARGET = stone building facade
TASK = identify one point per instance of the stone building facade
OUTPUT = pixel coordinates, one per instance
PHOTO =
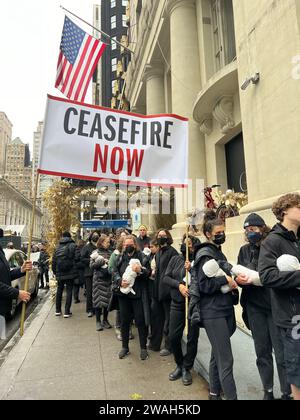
(5, 138)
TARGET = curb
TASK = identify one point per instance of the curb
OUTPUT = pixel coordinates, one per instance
(14, 361)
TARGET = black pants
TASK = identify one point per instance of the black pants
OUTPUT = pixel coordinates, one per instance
(267, 337)
(46, 274)
(89, 294)
(60, 288)
(221, 378)
(132, 309)
(160, 320)
(99, 312)
(176, 329)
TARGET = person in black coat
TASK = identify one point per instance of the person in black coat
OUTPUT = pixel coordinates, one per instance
(216, 309)
(133, 306)
(79, 280)
(143, 239)
(285, 294)
(257, 312)
(86, 253)
(43, 264)
(161, 300)
(63, 267)
(175, 278)
(7, 292)
(101, 282)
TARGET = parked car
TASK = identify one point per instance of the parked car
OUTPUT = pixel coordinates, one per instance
(16, 259)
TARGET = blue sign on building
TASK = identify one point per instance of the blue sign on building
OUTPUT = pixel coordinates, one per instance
(105, 224)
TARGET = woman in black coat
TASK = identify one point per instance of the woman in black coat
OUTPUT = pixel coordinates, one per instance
(175, 278)
(133, 305)
(101, 282)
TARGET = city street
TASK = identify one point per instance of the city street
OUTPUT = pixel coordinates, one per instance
(67, 359)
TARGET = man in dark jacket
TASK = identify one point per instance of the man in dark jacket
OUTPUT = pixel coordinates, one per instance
(143, 240)
(8, 293)
(86, 253)
(161, 300)
(43, 264)
(63, 267)
(285, 295)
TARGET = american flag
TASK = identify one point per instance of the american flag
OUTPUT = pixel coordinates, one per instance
(78, 58)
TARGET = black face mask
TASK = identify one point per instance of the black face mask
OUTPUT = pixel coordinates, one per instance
(254, 237)
(130, 249)
(162, 241)
(95, 239)
(219, 239)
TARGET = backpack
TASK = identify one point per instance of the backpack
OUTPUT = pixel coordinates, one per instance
(63, 261)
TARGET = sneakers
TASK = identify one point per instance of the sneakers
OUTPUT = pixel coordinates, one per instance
(214, 397)
(106, 325)
(286, 397)
(131, 336)
(164, 353)
(123, 353)
(58, 314)
(77, 301)
(99, 326)
(144, 354)
(67, 315)
(90, 315)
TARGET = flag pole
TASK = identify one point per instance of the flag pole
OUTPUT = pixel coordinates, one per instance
(98, 30)
(29, 251)
(187, 283)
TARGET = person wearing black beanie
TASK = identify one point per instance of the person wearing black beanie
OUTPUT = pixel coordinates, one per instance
(257, 312)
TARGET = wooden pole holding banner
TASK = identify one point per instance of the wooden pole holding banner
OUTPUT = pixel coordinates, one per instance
(29, 251)
(187, 283)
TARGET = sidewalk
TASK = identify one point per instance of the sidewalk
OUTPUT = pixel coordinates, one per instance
(66, 359)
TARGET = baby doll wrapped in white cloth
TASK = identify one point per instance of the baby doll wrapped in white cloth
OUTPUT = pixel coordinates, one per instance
(130, 276)
(288, 263)
(212, 269)
(96, 260)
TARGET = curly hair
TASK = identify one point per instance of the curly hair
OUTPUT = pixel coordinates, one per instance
(210, 221)
(284, 203)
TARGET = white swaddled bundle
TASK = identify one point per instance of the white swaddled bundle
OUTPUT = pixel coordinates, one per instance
(97, 258)
(212, 269)
(130, 276)
(288, 263)
(2, 328)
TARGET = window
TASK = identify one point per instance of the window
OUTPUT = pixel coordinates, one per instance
(114, 64)
(124, 21)
(113, 44)
(112, 3)
(113, 20)
(124, 3)
(223, 32)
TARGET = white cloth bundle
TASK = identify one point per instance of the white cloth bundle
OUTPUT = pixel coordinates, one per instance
(147, 252)
(212, 269)
(130, 277)
(97, 258)
(288, 263)
(240, 270)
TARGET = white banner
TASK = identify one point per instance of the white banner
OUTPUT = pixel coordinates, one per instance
(88, 142)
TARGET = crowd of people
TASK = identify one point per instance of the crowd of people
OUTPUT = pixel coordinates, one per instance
(147, 282)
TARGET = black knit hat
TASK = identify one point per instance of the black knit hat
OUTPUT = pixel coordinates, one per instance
(254, 220)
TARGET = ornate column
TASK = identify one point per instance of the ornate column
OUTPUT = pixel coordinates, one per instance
(186, 84)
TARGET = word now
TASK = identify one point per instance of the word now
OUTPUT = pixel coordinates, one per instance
(117, 158)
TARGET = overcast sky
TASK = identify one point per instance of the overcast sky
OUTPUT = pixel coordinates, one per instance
(30, 33)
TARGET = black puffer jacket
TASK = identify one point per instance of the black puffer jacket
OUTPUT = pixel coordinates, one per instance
(213, 303)
(86, 253)
(255, 296)
(174, 276)
(7, 293)
(101, 280)
(69, 245)
(285, 296)
(161, 290)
